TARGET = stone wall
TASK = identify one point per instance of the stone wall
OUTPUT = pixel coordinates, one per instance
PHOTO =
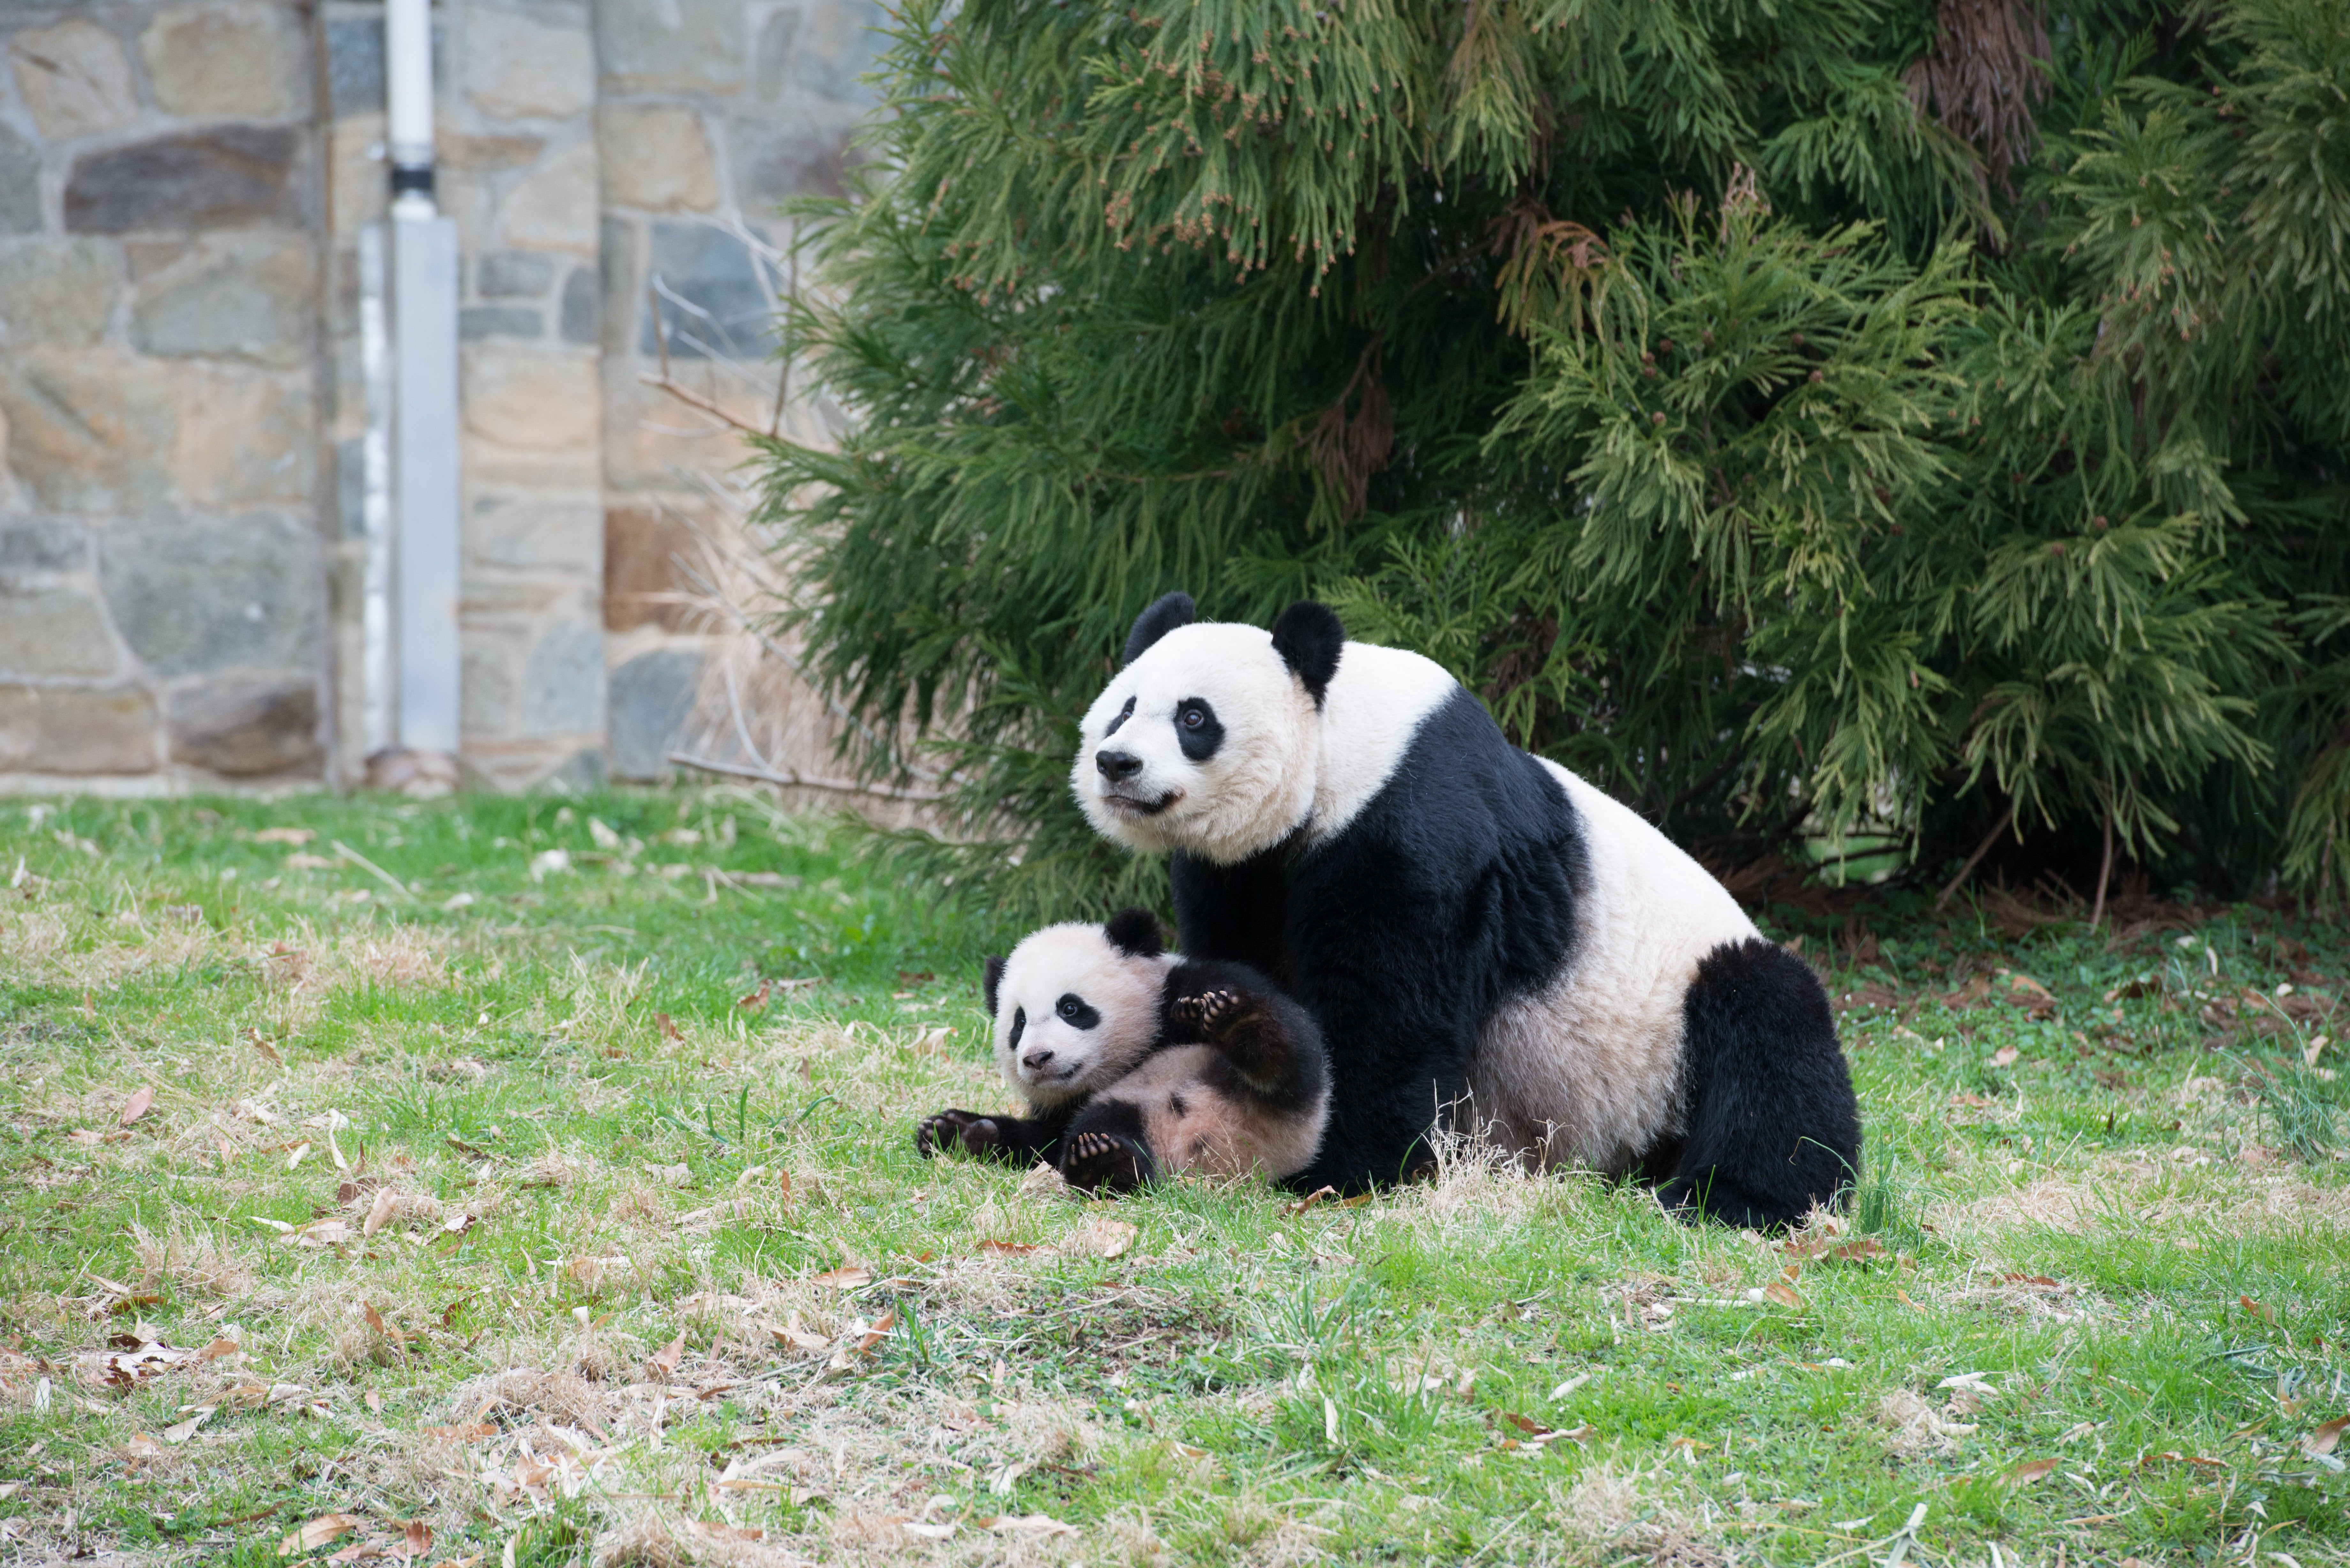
(183, 192)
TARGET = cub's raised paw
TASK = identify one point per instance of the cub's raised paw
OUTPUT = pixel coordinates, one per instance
(1105, 1162)
(967, 1132)
(1203, 1011)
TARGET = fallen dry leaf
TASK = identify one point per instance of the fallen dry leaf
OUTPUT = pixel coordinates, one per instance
(2028, 1471)
(872, 1337)
(666, 1362)
(848, 1277)
(2323, 1440)
(669, 1029)
(798, 1338)
(1101, 1237)
(187, 1428)
(317, 1533)
(757, 999)
(378, 1212)
(136, 1105)
(473, 1432)
(415, 1539)
(2266, 1314)
(2004, 1055)
(1016, 1248)
(375, 1321)
(1310, 1199)
(293, 835)
(1782, 1293)
(1038, 1524)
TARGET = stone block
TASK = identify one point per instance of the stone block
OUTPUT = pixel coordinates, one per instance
(536, 533)
(196, 599)
(61, 730)
(616, 275)
(245, 723)
(350, 487)
(671, 45)
(246, 437)
(20, 184)
(513, 274)
(250, 299)
(580, 292)
(483, 154)
(563, 683)
(54, 632)
(532, 402)
(357, 188)
(355, 64)
(772, 162)
(75, 78)
(238, 60)
(59, 546)
(59, 292)
(519, 68)
(228, 177)
(650, 437)
(553, 207)
(771, 72)
(729, 295)
(650, 696)
(657, 157)
(477, 322)
(89, 429)
(642, 545)
(838, 45)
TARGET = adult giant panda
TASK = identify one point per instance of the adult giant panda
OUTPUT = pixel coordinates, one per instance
(1469, 924)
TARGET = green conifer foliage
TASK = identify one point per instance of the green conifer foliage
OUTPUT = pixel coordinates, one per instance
(1811, 419)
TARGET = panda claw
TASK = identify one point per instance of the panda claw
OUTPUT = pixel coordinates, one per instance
(1098, 1161)
(1203, 1011)
(965, 1130)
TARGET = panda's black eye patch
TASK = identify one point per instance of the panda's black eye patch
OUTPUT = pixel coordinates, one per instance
(1123, 715)
(1076, 1012)
(1019, 1026)
(1197, 728)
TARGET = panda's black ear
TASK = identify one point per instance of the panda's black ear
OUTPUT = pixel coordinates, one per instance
(1134, 932)
(994, 982)
(1166, 613)
(1309, 639)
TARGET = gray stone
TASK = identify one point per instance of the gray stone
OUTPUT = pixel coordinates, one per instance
(49, 730)
(60, 292)
(54, 633)
(840, 44)
(247, 437)
(20, 184)
(670, 45)
(511, 274)
(235, 60)
(585, 774)
(477, 322)
(350, 486)
(563, 683)
(228, 177)
(579, 299)
(44, 546)
(616, 271)
(518, 68)
(774, 162)
(651, 695)
(250, 301)
(75, 79)
(355, 64)
(195, 600)
(729, 294)
(245, 723)
(657, 157)
(89, 429)
(773, 71)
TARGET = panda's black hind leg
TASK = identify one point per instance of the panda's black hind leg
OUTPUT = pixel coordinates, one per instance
(1106, 1150)
(1773, 1127)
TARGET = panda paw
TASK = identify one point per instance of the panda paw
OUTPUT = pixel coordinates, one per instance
(1205, 1012)
(966, 1131)
(1105, 1162)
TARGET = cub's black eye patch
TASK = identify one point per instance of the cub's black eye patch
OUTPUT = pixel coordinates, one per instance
(1197, 728)
(1123, 715)
(1019, 1027)
(1076, 1012)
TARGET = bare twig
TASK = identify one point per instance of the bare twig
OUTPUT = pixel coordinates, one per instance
(1981, 850)
(2105, 871)
(799, 781)
(695, 399)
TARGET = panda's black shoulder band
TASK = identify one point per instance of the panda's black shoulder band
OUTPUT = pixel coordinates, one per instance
(1134, 931)
(1166, 613)
(1309, 638)
(993, 980)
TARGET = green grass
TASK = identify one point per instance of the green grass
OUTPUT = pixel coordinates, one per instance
(582, 1153)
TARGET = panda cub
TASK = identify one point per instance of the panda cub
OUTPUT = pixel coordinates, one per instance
(1134, 1062)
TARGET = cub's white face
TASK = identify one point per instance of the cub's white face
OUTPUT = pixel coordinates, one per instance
(1073, 1014)
(1207, 743)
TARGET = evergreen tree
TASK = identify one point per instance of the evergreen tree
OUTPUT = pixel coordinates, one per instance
(1811, 418)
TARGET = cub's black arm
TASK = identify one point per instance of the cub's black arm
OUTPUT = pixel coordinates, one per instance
(1021, 1139)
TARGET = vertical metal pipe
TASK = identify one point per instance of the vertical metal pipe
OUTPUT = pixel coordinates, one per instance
(380, 703)
(425, 489)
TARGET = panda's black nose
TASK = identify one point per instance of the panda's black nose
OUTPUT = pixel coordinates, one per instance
(1117, 766)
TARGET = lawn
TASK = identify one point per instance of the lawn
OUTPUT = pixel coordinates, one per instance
(516, 1180)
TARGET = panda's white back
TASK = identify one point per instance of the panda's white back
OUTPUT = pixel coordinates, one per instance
(1588, 1071)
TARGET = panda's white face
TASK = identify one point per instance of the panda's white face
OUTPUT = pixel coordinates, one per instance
(1208, 743)
(1073, 1012)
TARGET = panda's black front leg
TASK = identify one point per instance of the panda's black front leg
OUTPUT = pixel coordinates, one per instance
(1106, 1149)
(1269, 1040)
(990, 1136)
